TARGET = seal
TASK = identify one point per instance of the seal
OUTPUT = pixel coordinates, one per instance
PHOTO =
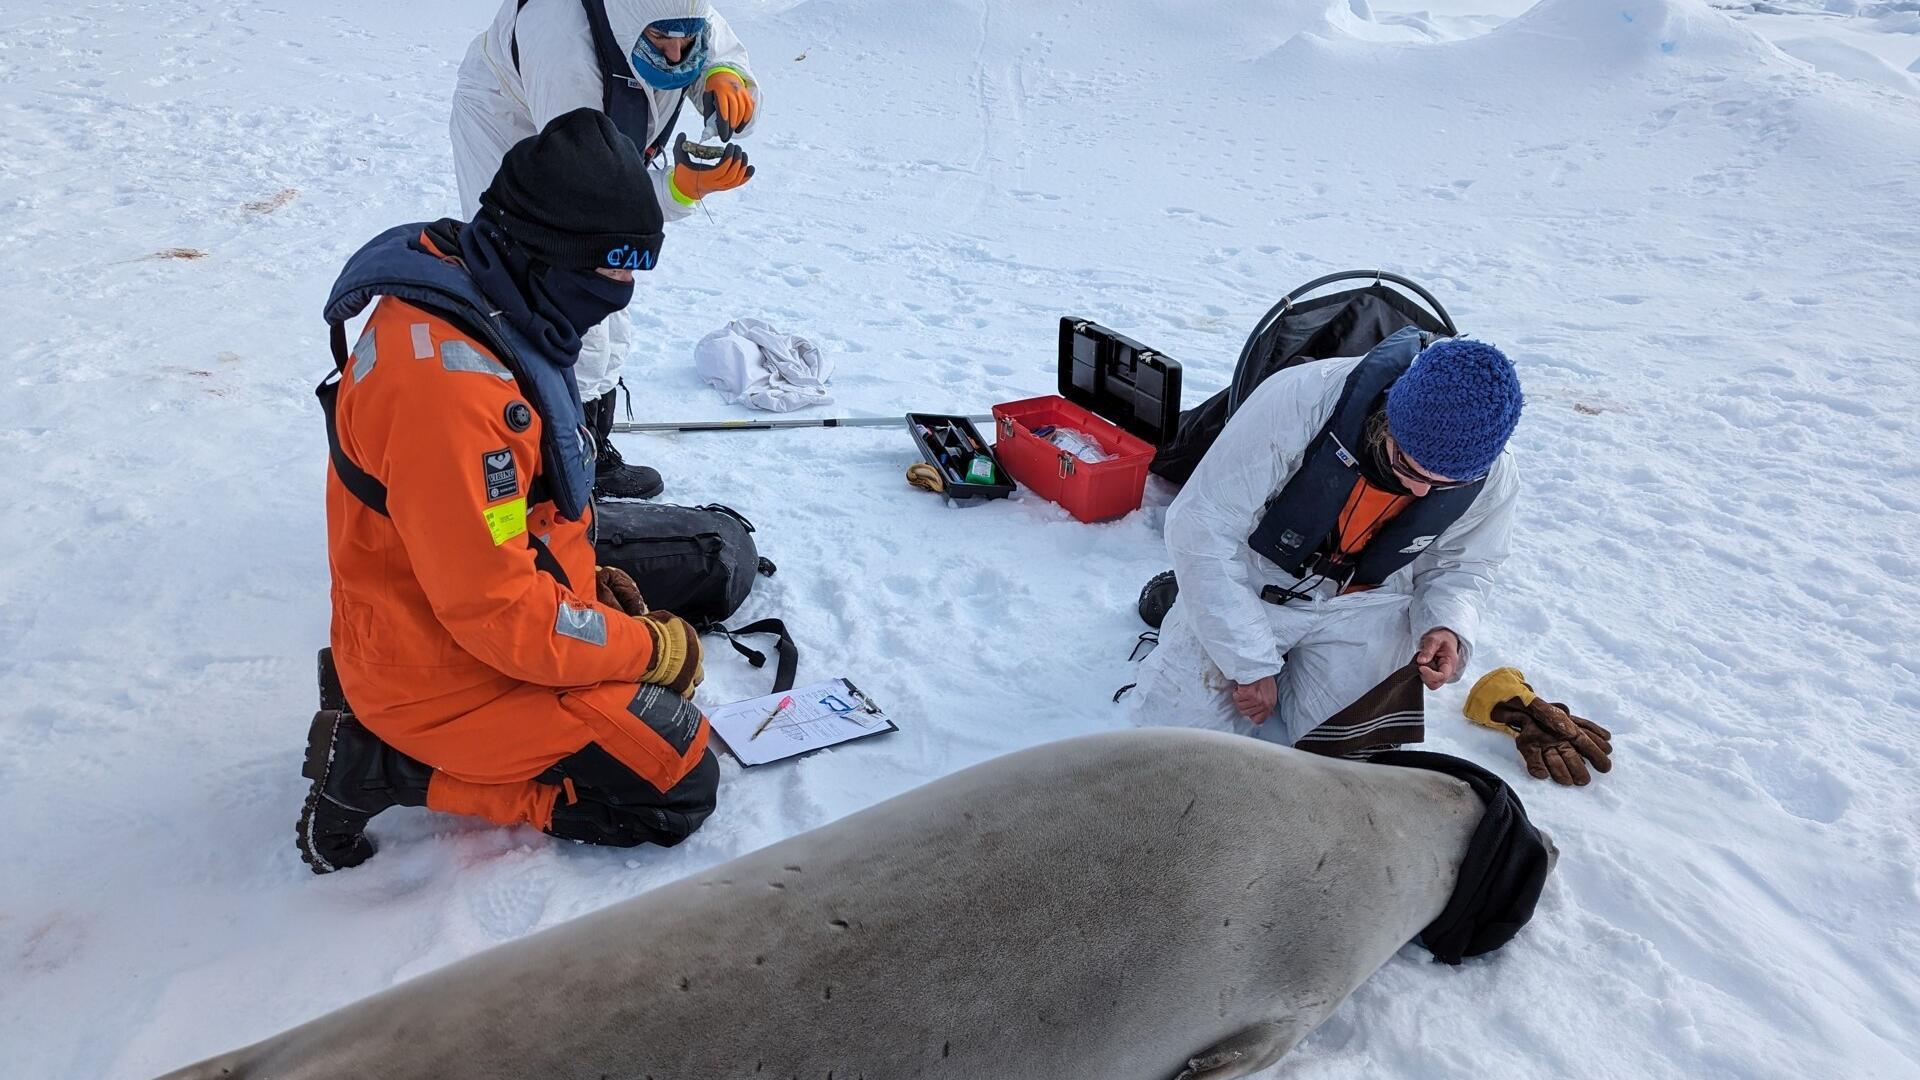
(1151, 904)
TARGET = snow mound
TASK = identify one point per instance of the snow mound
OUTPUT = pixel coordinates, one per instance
(1848, 62)
(1566, 43)
(1616, 33)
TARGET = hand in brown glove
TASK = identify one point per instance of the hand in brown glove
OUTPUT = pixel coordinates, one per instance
(615, 588)
(676, 653)
(1553, 743)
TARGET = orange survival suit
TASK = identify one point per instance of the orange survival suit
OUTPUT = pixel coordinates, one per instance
(465, 628)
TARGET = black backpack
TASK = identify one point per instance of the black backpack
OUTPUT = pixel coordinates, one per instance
(699, 562)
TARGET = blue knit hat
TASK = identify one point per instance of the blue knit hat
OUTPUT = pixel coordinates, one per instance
(1454, 409)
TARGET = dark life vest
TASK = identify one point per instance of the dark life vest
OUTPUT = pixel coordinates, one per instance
(623, 98)
(392, 264)
(1294, 529)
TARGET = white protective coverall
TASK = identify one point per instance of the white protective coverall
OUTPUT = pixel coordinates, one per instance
(496, 105)
(1329, 650)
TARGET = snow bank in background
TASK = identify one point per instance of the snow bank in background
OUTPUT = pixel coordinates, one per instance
(1846, 61)
(1699, 251)
(1630, 33)
(1889, 29)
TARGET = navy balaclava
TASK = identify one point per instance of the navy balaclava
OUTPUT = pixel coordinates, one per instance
(565, 202)
(553, 306)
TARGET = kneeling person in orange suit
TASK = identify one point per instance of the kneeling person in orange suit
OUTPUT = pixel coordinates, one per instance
(491, 670)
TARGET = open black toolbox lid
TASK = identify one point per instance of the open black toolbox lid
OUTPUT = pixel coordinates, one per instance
(1119, 378)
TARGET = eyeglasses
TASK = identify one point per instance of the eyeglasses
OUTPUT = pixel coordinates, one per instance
(1402, 464)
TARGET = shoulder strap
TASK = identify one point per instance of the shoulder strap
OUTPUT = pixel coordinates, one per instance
(544, 560)
(789, 655)
(607, 50)
(352, 477)
(514, 39)
(624, 102)
(659, 142)
(373, 494)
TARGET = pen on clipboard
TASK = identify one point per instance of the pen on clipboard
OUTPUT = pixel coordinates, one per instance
(777, 709)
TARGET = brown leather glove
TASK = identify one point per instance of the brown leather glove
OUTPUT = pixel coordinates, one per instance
(925, 477)
(676, 653)
(1553, 743)
(615, 588)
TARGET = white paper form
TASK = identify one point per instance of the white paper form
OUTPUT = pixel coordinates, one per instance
(797, 721)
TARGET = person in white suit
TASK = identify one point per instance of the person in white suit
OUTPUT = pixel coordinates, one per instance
(640, 61)
(1349, 519)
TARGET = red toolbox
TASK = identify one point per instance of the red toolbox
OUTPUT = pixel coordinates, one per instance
(1115, 394)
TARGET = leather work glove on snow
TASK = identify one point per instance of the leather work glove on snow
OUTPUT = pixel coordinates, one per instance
(676, 653)
(729, 107)
(615, 588)
(692, 181)
(1553, 743)
(925, 477)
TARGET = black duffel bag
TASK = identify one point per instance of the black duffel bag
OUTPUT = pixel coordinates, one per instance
(699, 562)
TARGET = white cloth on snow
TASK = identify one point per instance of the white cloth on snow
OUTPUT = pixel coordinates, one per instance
(496, 104)
(1242, 638)
(751, 363)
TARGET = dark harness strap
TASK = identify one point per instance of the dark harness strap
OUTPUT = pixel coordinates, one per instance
(613, 81)
(543, 559)
(372, 493)
(789, 655)
(356, 480)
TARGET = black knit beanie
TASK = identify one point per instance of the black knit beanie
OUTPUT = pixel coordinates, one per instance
(577, 196)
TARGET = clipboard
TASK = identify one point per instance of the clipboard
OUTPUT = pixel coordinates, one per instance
(783, 725)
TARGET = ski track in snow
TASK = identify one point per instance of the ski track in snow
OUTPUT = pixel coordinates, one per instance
(1698, 249)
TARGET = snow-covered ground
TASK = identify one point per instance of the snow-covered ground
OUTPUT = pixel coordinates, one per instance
(1701, 249)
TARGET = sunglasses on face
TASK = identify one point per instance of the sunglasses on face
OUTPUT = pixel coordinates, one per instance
(678, 31)
(1403, 465)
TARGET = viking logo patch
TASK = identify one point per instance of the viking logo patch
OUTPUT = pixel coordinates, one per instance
(499, 475)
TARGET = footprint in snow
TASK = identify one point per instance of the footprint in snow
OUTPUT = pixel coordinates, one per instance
(512, 905)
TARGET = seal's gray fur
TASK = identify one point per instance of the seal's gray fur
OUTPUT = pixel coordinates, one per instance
(1145, 904)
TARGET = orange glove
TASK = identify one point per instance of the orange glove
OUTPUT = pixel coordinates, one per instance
(691, 181)
(729, 107)
(676, 653)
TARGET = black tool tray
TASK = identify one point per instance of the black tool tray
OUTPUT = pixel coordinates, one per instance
(942, 451)
(1117, 377)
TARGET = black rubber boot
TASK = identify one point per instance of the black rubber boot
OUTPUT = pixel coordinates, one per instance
(613, 478)
(1157, 598)
(355, 776)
